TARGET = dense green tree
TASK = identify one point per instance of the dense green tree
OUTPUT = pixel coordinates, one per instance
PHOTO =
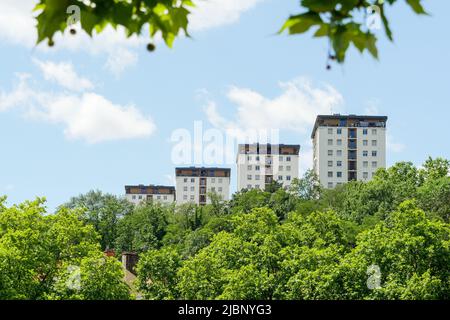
(412, 253)
(383, 239)
(103, 211)
(246, 200)
(157, 273)
(434, 197)
(143, 229)
(235, 265)
(308, 187)
(40, 252)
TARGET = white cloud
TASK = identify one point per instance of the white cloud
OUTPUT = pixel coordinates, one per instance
(87, 116)
(119, 60)
(295, 109)
(17, 23)
(214, 13)
(64, 74)
(17, 97)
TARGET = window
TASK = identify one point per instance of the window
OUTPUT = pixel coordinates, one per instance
(330, 185)
(288, 158)
(249, 177)
(364, 131)
(288, 168)
(249, 186)
(220, 189)
(192, 188)
(365, 143)
(185, 180)
(374, 143)
(133, 197)
(280, 178)
(257, 177)
(158, 197)
(339, 163)
(192, 179)
(339, 174)
(366, 164)
(280, 168)
(330, 142)
(330, 163)
(257, 186)
(213, 189)
(192, 198)
(257, 168)
(339, 131)
(374, 153)
(339, 142)
(140, 197)
(288, 178)
(185, 189)
(220, 180)
(330, 130)
(185, 197)
(365, 175)
(330, 174)
(257, 158)
(339, 153)
(249, 168)
(165, 197)
(374, 131)
(280, 158)
(213, 180)
(330, 152)
(374, 164)
(365, 153)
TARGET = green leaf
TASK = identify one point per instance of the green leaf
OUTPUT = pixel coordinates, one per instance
(320, 5)
(387, 29)
(301, 23)
(89, 21)
(322, 31)
(416, 6)
(340, 41)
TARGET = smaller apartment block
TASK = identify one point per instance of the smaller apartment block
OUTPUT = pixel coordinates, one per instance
(348, 147)
(141, 193)
(193, 184)
(258, 165)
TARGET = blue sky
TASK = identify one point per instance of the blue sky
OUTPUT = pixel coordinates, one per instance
(55, 144)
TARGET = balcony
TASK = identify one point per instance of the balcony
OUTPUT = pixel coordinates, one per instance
(352, 155)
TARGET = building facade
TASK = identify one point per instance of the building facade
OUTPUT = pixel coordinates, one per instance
(258, 165)
(141, 193)
(194, 184)
(348, 147)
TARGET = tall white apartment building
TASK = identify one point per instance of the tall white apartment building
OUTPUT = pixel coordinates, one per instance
(194, 184)
(348, 147)
(141, 193)
(260, 164)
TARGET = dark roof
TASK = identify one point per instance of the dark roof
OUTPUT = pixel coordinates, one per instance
(202, 171)
(151, 189)
(356, 118)
(267, 148)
